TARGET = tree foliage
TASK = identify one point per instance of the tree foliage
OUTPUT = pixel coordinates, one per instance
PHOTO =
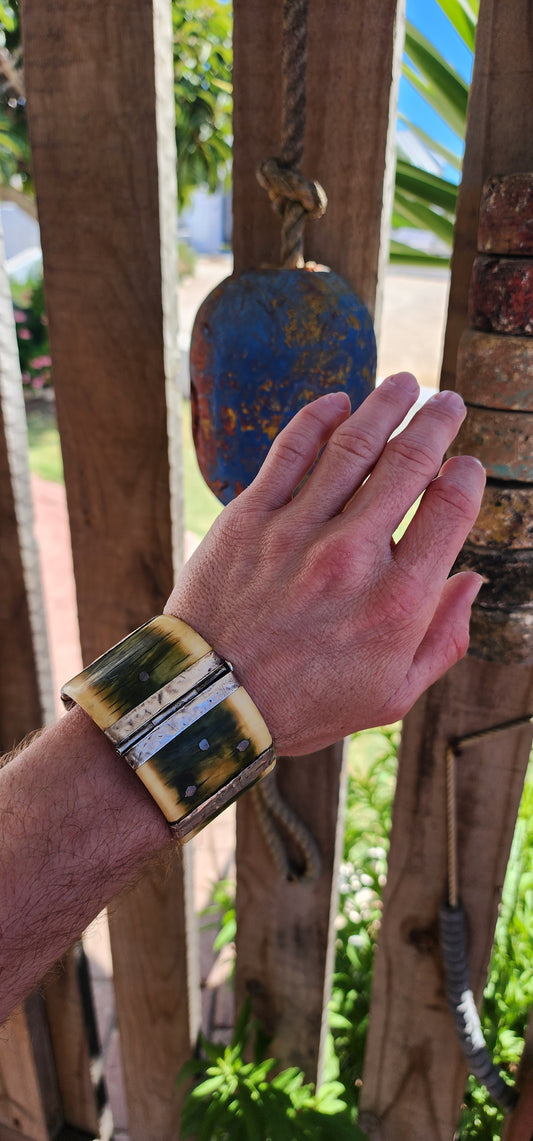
(425, 201)
(202, 84)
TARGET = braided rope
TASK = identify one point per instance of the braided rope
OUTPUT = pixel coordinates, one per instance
(453, 937)
(271, 807)
(293, 197)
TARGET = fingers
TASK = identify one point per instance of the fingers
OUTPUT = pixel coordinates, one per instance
(295, 449)
(411, 460)
(355, 447)
(446, 639)
(444, 518)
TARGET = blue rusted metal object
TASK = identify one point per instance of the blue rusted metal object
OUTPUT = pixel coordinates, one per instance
(263, 344)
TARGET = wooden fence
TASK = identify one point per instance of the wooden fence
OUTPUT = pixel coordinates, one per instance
(100, 99)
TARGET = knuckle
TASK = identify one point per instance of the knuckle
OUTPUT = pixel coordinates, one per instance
(290, 448)
(332, 564)
(453, 496)
(361, 444)
(418, 456)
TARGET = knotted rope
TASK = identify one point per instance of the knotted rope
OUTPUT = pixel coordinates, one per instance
(272, 809)
(293, 196)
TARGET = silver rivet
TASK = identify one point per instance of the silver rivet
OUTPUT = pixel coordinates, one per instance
(190, 790)
(243, 745)
(203, 744)
(144, 676)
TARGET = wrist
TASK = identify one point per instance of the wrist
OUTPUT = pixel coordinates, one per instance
(175, 712)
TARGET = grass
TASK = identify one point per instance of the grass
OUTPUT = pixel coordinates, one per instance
(201, 506)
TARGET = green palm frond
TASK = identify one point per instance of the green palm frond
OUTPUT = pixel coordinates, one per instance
(425, 201)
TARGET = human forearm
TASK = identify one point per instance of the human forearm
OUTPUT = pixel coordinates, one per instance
(329, 623)
(77, 826)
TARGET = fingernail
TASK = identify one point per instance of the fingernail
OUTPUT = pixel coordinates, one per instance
(452, 400)
(403, 380)
(339, 400)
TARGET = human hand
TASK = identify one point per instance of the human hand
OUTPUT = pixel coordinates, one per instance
(332, 626)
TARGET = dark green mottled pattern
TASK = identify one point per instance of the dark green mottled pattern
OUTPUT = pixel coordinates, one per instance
(182, 764)
(116, 676)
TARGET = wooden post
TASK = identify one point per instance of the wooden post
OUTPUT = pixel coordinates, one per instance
(498, 141)
(284, 930)
(414, 1071)
(101, 111)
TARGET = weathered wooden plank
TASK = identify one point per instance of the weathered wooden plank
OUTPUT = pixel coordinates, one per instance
(284, 935)
(414, 1071)
(100, 96)
(21, 1102)
(79, 1065)
(498, 141)
(348, 146)
(519, 1126)
(30, 1100)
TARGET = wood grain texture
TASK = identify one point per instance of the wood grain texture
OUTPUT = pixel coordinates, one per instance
(414, 1071)
(499, 140)
(77, 1059)
(284, 930)
(29, 1096)
(104, 165)
(519, 1127)
(22, 1108)
(347, 139)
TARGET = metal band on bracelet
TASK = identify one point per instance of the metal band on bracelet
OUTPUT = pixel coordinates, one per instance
(176, 713)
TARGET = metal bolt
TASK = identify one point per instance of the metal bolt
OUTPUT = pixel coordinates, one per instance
(204, 744)
(190, 790)
(243, 745)
(144, 676)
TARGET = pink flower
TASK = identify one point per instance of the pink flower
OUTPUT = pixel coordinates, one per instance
(25, 334)
(39, 381)
(19, 316)
(41, 362)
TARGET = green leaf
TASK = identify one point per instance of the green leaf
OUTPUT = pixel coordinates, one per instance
(407, 255)
(432, 144)
(430, 187)
(438, 82)
(463, 17)
(420, 216)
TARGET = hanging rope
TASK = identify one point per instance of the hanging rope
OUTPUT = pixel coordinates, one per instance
(293, 197)
(272, 810)
(452, 926)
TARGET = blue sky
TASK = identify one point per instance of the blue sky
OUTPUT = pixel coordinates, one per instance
(429, 18)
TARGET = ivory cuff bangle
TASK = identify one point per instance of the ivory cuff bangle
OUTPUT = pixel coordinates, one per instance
(175, 711)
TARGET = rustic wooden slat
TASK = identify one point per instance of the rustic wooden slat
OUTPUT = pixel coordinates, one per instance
(414, 1071)
(75, 1060)
(30, 1099)
(21, 1103)
(519, 1127)
(498, 141)
(100, 97)
(284, 934)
